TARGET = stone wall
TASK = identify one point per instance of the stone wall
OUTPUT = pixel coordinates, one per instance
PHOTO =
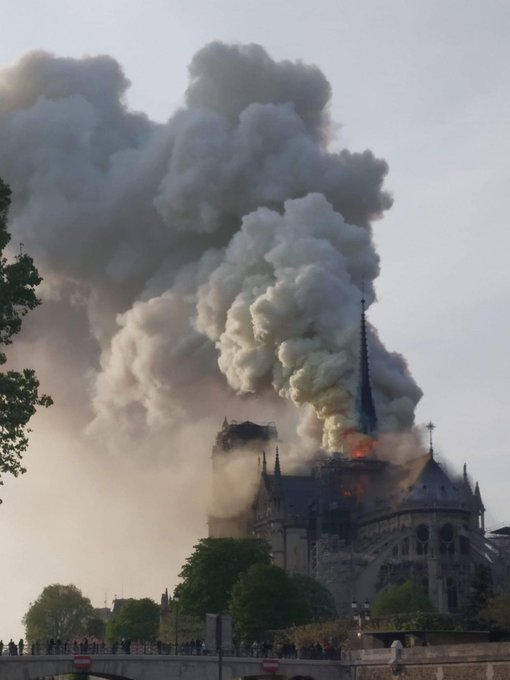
(489, 661)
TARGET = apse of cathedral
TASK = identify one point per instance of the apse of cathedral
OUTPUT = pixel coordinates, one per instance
(358, 523)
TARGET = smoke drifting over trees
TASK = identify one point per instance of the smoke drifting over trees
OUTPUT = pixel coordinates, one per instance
(221, 253)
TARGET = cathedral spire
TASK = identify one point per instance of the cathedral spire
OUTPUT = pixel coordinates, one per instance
(277, 470)
(277, 477)
(264, 463)
(367, 418)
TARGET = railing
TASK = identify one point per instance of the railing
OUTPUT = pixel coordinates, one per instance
(156, 648)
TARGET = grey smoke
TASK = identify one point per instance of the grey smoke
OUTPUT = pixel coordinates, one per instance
(219, 254)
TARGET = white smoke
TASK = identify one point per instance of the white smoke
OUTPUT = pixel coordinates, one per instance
(221, 253)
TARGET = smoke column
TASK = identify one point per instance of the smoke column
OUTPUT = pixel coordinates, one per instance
(219, 254)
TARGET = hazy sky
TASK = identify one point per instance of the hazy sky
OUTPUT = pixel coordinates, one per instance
(424, 85)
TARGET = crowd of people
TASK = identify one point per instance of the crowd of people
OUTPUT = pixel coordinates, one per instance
(12, 649)
(190, 648)
(93, 646)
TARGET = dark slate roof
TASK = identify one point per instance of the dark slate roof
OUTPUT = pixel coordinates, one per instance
(502, 531)
(298, 493)
(430, 486)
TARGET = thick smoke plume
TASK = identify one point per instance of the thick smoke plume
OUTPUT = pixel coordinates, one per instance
(219, 254)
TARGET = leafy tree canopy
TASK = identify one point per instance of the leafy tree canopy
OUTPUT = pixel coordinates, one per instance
(480, 594)
(135, 620)
(497, 612)
(402, 599)
(59, 612)
(333, 632)
(265, 598)
(96, 627)
(188, 627)
(212, 569)
(318, 601)
(19, 390)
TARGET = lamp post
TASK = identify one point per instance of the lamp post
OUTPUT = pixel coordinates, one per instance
(360, 614)
(219, 644)
(176, 600)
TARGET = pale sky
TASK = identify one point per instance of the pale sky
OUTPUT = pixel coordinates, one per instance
(424, 85)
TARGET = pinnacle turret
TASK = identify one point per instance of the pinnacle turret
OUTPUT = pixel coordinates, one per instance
(277, 477)
(277, 470)
(367, 418)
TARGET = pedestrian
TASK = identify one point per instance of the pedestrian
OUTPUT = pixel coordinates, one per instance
(1, 647)
(21, 646)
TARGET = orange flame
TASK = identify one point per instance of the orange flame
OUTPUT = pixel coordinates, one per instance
(359, 445)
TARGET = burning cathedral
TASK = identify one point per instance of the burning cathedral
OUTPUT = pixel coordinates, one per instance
(357, 522)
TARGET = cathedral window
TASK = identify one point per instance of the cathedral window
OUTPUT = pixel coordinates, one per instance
(446, 540)
(464, 545)
(451, 594)
(405, 546)
(394, 551)
(422, 539)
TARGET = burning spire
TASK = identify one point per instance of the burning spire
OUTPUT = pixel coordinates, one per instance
(367, 418)
(360, 440)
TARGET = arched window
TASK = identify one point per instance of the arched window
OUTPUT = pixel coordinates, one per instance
(446, 540)
(451, 594)
(405, 546)
(464, 545)
(422, 539)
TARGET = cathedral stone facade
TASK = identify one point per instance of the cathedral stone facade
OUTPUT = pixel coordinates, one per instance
(357, 523)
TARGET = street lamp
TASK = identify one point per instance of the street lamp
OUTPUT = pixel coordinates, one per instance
(361, 614)
(176, 600)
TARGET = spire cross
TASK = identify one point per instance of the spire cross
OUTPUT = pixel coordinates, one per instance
(430, 427)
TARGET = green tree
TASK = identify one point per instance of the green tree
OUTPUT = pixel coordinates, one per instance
(188, 627)
(335, 632)
(480, 594)
(497, 612)
(212, 569)
(96, 627)
(265, 598)
(19, 390)
(135, 620)
(402, 599)
(59, 612)
(318, 601)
